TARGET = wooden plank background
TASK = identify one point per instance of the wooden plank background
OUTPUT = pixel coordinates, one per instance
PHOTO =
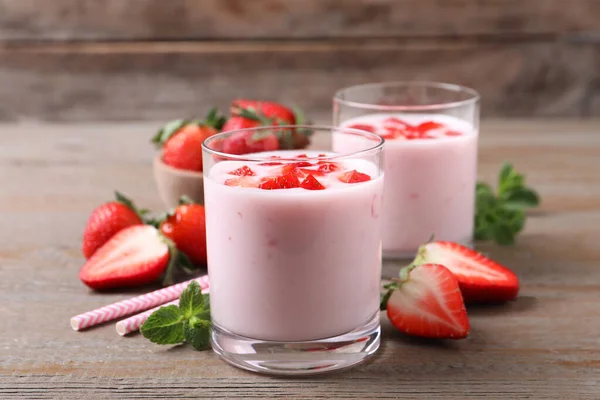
(65, 60)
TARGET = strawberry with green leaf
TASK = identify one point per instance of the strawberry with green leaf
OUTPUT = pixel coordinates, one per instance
(254, 113)
(186, 227)
(181, 140)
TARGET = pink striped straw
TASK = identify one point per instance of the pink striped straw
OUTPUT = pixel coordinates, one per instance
(132, 324)
(131, 306)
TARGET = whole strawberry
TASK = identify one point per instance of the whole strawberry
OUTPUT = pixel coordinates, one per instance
(254, 113)
(186, 227)
(276, 112)
(181, 140)
(108, 219)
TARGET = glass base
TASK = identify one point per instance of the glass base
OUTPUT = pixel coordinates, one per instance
(298, 358)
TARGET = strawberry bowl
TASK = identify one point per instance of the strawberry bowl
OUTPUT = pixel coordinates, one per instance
(172, 183)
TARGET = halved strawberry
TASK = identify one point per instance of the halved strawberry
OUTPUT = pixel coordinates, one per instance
(108, 219)
(135, 256)
(354, 177)
(242, 171)
(426, 302)
(481, 280)
(311, 183)
(243, 181)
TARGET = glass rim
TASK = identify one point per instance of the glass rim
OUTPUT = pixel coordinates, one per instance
(248, 157)
(450, 87)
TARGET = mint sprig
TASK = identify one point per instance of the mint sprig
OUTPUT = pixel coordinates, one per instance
(189, 322)
(500, 217)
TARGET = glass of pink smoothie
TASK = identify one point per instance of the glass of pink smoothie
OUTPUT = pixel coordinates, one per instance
(294, 250)
(430, 131)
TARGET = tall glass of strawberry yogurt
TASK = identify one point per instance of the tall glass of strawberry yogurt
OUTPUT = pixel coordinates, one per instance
(294, 249)
(430, 131)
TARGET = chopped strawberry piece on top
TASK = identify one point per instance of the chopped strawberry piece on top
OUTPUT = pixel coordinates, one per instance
(242, 171)
(311, 183)
(354, 177)
(243, 181)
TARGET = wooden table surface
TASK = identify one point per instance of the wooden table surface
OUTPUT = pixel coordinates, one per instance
(546, 344)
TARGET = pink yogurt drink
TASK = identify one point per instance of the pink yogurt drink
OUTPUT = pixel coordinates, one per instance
(294, 245)
(431, 170)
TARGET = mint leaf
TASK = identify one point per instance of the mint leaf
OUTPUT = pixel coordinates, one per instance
(191, 301)
(503, 235)
(168, 130)
(197, 333)
(521, 198)
(500, 217)
(164, 326)
(505, 172)
(513, 218)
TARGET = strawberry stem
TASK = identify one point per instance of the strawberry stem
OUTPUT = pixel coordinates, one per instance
(142, 213)
(185, 200)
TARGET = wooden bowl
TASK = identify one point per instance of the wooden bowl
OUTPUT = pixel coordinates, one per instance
(172, 183)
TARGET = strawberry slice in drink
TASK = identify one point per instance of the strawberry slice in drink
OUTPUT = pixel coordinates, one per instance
(311, 183)
(428, 126)
(328, 167)
(293, 169)
(354, 177)
(242, 171)
(287, 181)
(242, 181)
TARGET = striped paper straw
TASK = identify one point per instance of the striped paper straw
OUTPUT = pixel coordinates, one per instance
(131, 306)
(132, 324)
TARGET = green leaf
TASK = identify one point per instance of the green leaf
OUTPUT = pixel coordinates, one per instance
(300, 119)
(164, 326)
(483, 230)
(185, 199)
(384, 299)
(197, 333)
(521, 198)
(191, 301)
(168, 130)
(206, 300)
(505, 172)
(503, 235)
(215, 119)
(482, 187)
